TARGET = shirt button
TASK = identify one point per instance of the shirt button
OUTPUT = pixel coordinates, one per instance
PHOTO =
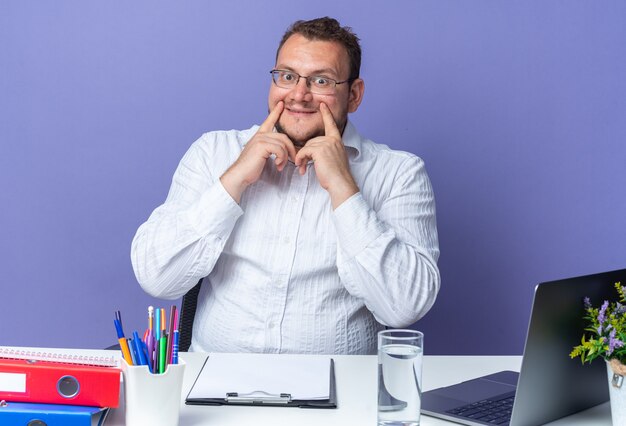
(270, 325)
(295, 199)
(287, 240)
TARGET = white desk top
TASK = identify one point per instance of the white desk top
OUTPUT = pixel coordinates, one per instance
(356, 395)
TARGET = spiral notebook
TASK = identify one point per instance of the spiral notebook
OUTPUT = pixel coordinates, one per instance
(66, 356)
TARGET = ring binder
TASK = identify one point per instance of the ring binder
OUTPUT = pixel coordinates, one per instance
(63, 356)
(257, 397)
(53, 383)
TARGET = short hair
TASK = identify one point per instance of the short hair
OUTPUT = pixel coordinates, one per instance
(328, 29)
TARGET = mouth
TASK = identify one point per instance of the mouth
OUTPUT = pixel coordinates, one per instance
(300, 112)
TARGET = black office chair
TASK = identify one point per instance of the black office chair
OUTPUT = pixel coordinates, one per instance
(185, 322)
(187, 314)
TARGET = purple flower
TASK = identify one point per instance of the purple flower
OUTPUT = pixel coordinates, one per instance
(602, 313)
(587, 303)
(613, 343)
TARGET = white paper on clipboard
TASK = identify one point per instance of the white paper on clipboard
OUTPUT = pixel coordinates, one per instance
(303, 377)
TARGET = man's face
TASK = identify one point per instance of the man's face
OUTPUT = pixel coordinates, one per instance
(301, 118)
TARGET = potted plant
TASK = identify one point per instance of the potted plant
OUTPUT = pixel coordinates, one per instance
(605, 337)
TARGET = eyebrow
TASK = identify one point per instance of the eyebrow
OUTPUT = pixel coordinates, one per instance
(322, 71)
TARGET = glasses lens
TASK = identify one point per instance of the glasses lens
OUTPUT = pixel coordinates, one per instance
(322, 85)
(285, 79)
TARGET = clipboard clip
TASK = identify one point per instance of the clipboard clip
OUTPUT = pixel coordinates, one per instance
(258, 397)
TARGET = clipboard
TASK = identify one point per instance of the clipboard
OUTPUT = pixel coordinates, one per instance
(218, 395)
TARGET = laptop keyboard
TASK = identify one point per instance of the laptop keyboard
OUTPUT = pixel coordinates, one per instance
(489, 411)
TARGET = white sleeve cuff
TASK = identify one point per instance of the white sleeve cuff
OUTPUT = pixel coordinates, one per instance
(215, 212)
(356, 225)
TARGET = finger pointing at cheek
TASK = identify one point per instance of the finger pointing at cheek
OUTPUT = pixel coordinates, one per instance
(271, 120)
(330, 127)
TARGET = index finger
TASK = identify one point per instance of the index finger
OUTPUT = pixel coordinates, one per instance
(270, 121)
(330, 127)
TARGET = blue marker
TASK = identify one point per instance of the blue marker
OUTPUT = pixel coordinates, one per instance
(133, 351)
(138, 347)
(144, 349)
(175, 348)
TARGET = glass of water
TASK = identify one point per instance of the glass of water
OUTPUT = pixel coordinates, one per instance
(400, 354)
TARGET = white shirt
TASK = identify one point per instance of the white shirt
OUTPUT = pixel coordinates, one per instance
(284, 272)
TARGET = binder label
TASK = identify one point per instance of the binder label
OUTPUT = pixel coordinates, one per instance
(12, 382)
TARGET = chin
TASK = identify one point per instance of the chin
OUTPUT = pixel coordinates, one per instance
(299, 137)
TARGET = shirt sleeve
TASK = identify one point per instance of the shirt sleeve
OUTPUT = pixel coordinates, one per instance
(388, 258)
(183, 238)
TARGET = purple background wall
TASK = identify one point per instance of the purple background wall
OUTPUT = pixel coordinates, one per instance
(517, 107)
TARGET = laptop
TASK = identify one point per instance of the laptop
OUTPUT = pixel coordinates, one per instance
(550, 385)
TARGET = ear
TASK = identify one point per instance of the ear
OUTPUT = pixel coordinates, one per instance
(356, 95)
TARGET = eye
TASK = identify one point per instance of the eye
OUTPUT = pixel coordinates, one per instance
(320, 81)
(287, 77)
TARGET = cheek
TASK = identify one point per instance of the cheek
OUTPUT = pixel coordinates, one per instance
(274, 97)
(338, 104)
(338, 110)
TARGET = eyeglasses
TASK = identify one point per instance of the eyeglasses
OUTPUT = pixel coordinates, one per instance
(316, 83)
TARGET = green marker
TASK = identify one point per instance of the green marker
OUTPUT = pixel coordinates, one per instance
(162, 353)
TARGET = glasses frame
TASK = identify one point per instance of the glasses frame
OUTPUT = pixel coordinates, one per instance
(308, 81)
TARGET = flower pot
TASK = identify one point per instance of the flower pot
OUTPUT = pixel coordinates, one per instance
(616, 372)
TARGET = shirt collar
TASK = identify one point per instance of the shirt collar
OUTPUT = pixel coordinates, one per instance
(351, 138)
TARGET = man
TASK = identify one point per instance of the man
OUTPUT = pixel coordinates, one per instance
(310, 237)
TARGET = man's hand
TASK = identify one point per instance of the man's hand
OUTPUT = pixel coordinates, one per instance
(329, 157)
(248, 167)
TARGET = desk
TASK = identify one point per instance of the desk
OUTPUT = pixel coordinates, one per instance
(356, 395)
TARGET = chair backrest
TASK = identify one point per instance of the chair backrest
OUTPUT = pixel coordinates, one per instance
(187, 314)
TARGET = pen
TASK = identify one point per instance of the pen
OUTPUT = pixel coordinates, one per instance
(149, 339)
(155, 349)
(122, 340)
(150, 349)
(175, 347)
(141, 359)
(157, 318)
(118, 317)
(132, 351)
(144, 349)
(162, 353)
(150, 317)
(176, 320)
(170, 335)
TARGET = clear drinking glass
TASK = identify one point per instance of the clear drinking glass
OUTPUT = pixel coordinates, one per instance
(400, 355)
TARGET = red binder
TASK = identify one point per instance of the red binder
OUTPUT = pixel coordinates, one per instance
(56, 383)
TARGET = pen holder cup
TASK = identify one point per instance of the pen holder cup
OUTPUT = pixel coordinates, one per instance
(152, 399)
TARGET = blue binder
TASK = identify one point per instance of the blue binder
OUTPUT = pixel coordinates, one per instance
(25, 413)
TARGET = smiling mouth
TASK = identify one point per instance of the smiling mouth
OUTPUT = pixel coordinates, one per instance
(301, 112)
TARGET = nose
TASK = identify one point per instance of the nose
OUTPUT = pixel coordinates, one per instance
(301, 91)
